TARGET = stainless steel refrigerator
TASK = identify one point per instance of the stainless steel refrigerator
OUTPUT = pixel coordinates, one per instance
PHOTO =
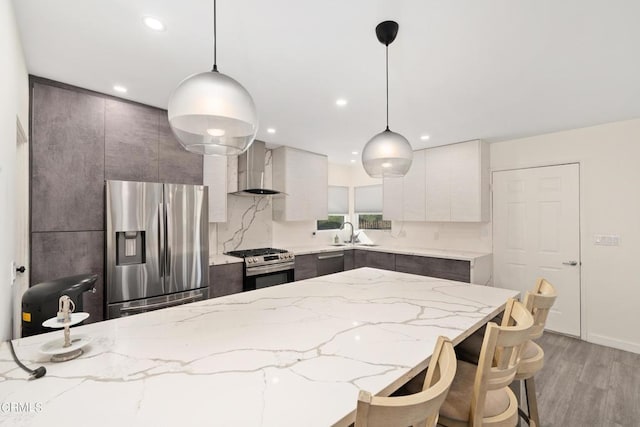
(157, 239)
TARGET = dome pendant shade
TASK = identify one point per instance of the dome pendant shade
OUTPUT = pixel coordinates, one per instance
(387, 154)
(211, 113)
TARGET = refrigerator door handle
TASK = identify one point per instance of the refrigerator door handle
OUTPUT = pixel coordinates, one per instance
(161, 239)
(170, 303)
(169, 239)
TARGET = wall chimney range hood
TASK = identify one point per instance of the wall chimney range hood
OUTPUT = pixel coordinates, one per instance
(251, 177)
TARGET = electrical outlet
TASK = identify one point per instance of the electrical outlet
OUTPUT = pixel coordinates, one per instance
(607, 240)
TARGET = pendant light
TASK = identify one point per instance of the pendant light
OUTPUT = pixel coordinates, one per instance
(387, 154)
(211, 113)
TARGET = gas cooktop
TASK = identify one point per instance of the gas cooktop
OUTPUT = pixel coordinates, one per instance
(246, 253)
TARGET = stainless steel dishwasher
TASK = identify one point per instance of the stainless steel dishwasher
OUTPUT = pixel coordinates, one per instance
(330, 262)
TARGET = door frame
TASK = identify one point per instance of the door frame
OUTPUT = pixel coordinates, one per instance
(581, 289)
(21, 244)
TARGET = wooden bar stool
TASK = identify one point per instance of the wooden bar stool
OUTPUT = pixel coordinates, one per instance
(538, 302)
(419, 409)
(480, 395)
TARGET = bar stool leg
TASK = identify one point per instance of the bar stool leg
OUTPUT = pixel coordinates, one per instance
(532, 402)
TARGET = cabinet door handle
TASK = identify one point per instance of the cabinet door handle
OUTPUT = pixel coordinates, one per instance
(570, 263)
(330, 256)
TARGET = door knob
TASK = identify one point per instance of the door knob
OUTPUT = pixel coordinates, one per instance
(570, 263)
(21, 269)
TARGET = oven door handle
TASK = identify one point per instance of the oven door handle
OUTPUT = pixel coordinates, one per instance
(265, 269)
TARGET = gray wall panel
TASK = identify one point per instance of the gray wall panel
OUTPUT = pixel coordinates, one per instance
(62, 254)
(131, 142)
(175, 164)
(67, 160)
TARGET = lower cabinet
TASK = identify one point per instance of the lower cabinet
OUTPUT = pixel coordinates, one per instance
(225, 279)
(442, 268)
(349, 260)
(306, 266)
(318, 264)
(330, 262)
(374, 259)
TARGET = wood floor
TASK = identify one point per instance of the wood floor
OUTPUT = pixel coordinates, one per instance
(585, 384)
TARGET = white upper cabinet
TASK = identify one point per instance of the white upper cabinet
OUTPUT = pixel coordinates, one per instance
(457, 182)
(214, 176)
(303, 176)
(404, 198)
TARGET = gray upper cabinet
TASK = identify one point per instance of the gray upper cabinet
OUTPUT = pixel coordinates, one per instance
(131, 142)
(67, 160)
(175, 164)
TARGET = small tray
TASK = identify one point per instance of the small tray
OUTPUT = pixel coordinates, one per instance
(56, 346)
(75, 318)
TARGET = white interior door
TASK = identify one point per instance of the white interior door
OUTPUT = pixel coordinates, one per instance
(536, 233)
(21, 239)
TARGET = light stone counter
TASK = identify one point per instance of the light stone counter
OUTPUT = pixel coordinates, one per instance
(218, 259)
(480, 263)
(435, 253)
(288, 355)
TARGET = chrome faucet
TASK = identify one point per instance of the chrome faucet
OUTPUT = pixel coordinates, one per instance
(342, 227)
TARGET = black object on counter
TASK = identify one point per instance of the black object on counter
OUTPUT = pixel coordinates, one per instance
(40, 302)
(34, 374)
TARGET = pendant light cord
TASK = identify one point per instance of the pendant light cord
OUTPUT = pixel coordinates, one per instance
(387, 77)
(215, 39)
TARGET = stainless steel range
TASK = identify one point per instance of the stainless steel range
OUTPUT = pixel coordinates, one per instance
(265, 267)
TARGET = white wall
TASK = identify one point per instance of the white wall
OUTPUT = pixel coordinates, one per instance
(609, 157)
(14, 104)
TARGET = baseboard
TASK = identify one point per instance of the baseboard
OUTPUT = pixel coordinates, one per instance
(615, 343)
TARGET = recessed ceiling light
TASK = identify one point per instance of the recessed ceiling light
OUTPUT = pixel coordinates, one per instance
(354, 153)
(120, 89)
(271, 130)
(153, 23)
(341, 102)
(353, 160)
(424, 137)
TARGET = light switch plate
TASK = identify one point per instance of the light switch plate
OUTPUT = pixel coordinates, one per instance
(607, 239)
(12, 272)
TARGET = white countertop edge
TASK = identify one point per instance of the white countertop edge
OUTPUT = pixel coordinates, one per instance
(219, 259)
(435, 253)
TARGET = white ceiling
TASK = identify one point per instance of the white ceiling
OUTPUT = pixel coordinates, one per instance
(459, 70)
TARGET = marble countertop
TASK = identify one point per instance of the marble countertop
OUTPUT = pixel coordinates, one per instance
(436, 253)
(294, 354)
(218, 259)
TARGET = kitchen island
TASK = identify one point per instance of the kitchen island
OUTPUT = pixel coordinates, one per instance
(294, 354)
